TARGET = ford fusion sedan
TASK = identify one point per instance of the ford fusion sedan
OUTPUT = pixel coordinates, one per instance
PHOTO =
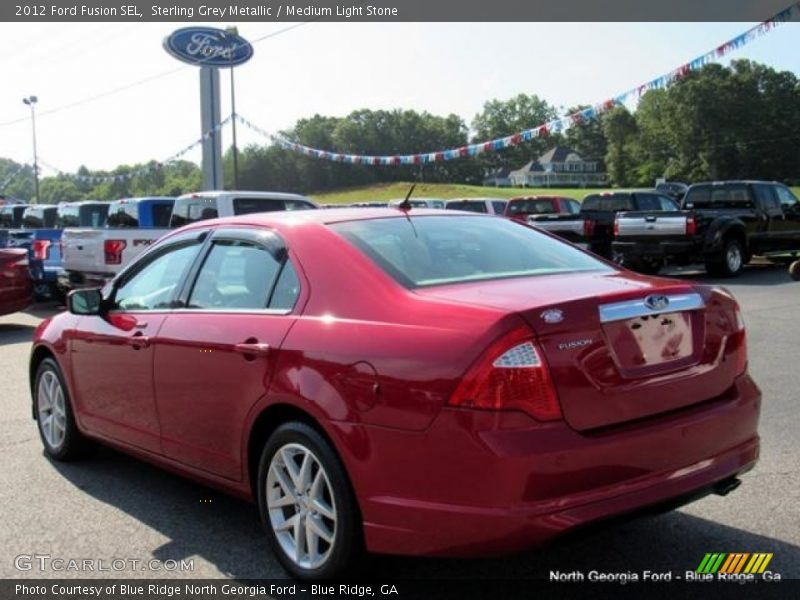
(417, 382)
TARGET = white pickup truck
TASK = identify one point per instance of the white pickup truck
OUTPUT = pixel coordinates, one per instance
(93, 256)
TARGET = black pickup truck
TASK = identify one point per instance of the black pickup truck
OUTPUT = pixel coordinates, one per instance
(593, 226)
(722, 224)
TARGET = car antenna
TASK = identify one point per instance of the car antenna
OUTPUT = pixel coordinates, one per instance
(405, 204)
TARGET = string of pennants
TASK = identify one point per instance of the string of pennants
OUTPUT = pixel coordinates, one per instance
(545, 129)
(151, 168)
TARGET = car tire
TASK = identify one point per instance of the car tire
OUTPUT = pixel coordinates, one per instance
(730, 261)
(304, 494)
(55, 420)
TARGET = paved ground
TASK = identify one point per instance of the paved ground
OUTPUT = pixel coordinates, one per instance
(114, 506)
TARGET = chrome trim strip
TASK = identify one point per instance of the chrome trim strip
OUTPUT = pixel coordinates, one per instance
(629, 309)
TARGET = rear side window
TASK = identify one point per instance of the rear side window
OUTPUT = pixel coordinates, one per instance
(735, 195)
(439, 250)
(570, 206)
(161, 213)
(246, 206)
(765, 197)
(499, 206)
(786, 197)
(93, 215)
(530, 207)
(241, 275)
(468, 205)
(123, 215)
(67, 216)
(191, 210)
(39, 218)
(11, 216)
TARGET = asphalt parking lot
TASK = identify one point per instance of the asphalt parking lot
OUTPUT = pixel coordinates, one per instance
(113, 506)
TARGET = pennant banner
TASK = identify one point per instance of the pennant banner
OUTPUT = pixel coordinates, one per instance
(554, 126)
(97, 179)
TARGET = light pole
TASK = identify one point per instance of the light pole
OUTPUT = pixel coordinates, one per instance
(234, 31)
(31, 101)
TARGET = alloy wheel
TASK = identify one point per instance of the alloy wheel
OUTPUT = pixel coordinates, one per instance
(52, 411)
(734, 258)
(301, 506)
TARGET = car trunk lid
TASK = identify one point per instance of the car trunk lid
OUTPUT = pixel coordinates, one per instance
(619, 347)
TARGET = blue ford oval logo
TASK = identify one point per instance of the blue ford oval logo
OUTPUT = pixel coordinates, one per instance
(656, 302)
(208, 47)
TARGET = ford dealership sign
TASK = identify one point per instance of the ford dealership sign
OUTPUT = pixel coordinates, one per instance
(208, 47)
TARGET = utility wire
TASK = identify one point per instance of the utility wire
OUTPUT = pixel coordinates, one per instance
(139, 82)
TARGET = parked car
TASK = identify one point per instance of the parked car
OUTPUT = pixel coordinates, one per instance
(78, 243)
(16, 289)
(419, 202)
(524, 207)
(724, 225)
(489, 206)
(485, 388)
(200, 206)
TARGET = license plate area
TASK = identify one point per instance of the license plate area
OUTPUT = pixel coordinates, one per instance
(648, 341)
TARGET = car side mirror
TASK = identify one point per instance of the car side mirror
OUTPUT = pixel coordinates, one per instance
(85, 302)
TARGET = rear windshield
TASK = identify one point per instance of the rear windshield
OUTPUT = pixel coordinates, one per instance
(123, 215)
(438, 250)
(39, 218)
(246, 206)
(608, 202)
(11, 216)
(93, 215)
(162, 211)
(476, 206)
(733, 195)
(530, 207)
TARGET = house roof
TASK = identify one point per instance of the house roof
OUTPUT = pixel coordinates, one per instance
(557, 154)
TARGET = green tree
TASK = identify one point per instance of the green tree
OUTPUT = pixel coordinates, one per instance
(619, 127)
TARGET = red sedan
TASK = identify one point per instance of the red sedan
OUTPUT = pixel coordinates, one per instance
(422, 382)
(16, 289)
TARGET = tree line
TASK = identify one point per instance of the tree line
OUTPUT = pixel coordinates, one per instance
(741, 121)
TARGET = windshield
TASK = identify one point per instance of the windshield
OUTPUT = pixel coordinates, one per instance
(530, 207)
(436, 250)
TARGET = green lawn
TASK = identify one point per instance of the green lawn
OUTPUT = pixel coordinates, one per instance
(388, 191)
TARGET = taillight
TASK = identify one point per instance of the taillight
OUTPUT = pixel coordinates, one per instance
(691, 225)
(588, 228)
(61, 247)
(113, 250)
(616, 226)
(511, 375)
(41, 249)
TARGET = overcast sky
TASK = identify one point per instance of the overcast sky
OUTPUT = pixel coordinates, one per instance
(326, 68)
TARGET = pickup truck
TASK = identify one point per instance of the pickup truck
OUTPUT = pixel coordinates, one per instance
(491, 206)
(93, 255)
(722, 224)
(41, 238)
(522, 208)
(200, 206)
(593, 226)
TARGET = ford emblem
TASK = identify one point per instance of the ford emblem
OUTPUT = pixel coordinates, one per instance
(208, 47)
(552, 315)
(656, 302)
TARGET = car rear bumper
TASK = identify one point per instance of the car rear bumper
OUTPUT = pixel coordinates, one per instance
(481, 483)
(655, 249)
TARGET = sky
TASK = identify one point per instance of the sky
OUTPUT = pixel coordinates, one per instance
(324, 68)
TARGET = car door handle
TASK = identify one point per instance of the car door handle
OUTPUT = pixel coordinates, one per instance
(252, 348)
(138, 340)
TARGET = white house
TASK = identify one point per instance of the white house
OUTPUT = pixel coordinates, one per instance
(559, 167)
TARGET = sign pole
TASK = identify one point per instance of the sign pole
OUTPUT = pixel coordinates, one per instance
(209, 123)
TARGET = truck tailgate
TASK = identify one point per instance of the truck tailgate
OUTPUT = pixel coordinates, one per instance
(83, 250)
(651, 224)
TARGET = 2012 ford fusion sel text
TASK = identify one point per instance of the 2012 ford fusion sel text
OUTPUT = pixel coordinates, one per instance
(416, 382)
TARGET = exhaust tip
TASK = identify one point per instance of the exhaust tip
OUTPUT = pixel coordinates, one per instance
(725, 487)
